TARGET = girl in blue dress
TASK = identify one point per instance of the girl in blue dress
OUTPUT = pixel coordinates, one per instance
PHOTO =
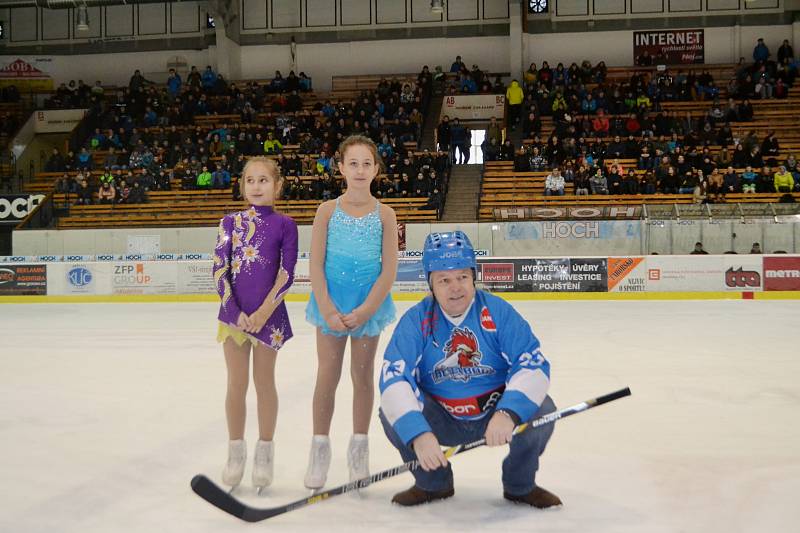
(353, 265)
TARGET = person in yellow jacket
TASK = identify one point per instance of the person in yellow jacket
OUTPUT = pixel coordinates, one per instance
(784, 182)
(514, 97)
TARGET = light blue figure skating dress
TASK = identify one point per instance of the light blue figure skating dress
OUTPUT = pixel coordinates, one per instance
(352, 265)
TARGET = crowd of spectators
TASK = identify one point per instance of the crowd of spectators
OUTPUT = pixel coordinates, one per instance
(147, 134)
(597, 123)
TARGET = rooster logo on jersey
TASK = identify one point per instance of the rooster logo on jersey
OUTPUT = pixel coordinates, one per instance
(462, 358)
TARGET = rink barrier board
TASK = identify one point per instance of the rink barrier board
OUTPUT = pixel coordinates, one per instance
(179, 278)
(411, 297)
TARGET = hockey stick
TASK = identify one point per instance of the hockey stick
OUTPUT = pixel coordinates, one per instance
(213, 494)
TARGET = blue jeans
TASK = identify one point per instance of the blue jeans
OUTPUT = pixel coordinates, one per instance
(519, 466)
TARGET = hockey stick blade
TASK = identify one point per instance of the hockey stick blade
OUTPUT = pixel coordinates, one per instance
(216, 496)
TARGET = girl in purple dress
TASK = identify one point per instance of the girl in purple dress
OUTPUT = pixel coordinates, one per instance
(254, 264)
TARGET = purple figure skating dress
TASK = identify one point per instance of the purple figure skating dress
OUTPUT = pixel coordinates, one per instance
(252, 246)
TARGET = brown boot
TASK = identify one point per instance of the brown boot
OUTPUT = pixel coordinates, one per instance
(538, 497)
(416, 496)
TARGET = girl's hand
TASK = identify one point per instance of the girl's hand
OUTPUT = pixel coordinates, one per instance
(257, 320)
(243, 322)
(334, 321)
(355, 318)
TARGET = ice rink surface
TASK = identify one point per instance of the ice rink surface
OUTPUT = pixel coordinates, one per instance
(108, 410)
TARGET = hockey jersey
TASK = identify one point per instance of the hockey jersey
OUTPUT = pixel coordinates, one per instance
(492, 359)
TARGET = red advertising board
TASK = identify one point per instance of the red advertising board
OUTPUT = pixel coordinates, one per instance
(782, 273)
(670, 47)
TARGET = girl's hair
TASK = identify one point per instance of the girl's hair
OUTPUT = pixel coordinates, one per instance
(274, 172)
(363, 140)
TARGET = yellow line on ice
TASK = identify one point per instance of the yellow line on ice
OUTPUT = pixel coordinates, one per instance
(410, 297)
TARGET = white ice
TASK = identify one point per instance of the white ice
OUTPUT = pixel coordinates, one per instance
(108, 410)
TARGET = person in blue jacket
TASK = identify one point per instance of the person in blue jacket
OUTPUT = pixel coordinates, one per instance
(462, 365)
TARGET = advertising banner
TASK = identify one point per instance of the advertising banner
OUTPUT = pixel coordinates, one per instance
(670, 47)
(685, 273)
(78, 278)
(15, 207)
(474, 106)
(743, 272)
(194, 277)
(57, 120)
(627, 274)
(25, 77)
(16, 280)
(781, 273)
(151, 277)
(556, 275)
(582, 212)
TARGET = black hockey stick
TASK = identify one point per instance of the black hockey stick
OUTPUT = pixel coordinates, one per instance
(213, 494)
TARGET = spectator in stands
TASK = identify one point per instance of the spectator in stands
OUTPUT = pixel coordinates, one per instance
(698, 249)
(598, 182)
(174, 84)
(204, 179)
(137, 195)
(491, 150)
(630, 184)
(137, 82)
(760, 52)
(785, 52)
(507, 151)
(272, 145)
(494, 131)
(731, 181)
(715, 187)
(582, 181)
(554, 183)
(765, 182)
(514, 97)
(208, 78)
(700, 193)
(769, 146)
(748, 180)
(220, 178)
(784, 181)
(65, 184)
(123, 192)
(460, 137)
(55, 162)
(84, 193)
(106, 194)
(305, 83)
(458, 66)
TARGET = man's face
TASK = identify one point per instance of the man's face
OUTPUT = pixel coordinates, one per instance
(453, 289)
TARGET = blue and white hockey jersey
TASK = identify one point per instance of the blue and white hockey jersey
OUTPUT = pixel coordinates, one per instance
(468, 369)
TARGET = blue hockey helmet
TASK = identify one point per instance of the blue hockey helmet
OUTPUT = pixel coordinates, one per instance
(447, 251)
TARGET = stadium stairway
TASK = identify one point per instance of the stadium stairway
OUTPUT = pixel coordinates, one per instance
(431, 122)
(461, 204)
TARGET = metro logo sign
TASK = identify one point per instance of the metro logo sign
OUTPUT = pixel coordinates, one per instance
(782, 273)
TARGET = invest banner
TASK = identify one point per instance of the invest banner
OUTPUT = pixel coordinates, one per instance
(676, 47)
(544, 275)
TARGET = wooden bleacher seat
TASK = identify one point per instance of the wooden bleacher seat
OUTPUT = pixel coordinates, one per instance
(205, 208)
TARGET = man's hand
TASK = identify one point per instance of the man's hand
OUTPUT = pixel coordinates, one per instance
(429, 453)
(500, 429)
